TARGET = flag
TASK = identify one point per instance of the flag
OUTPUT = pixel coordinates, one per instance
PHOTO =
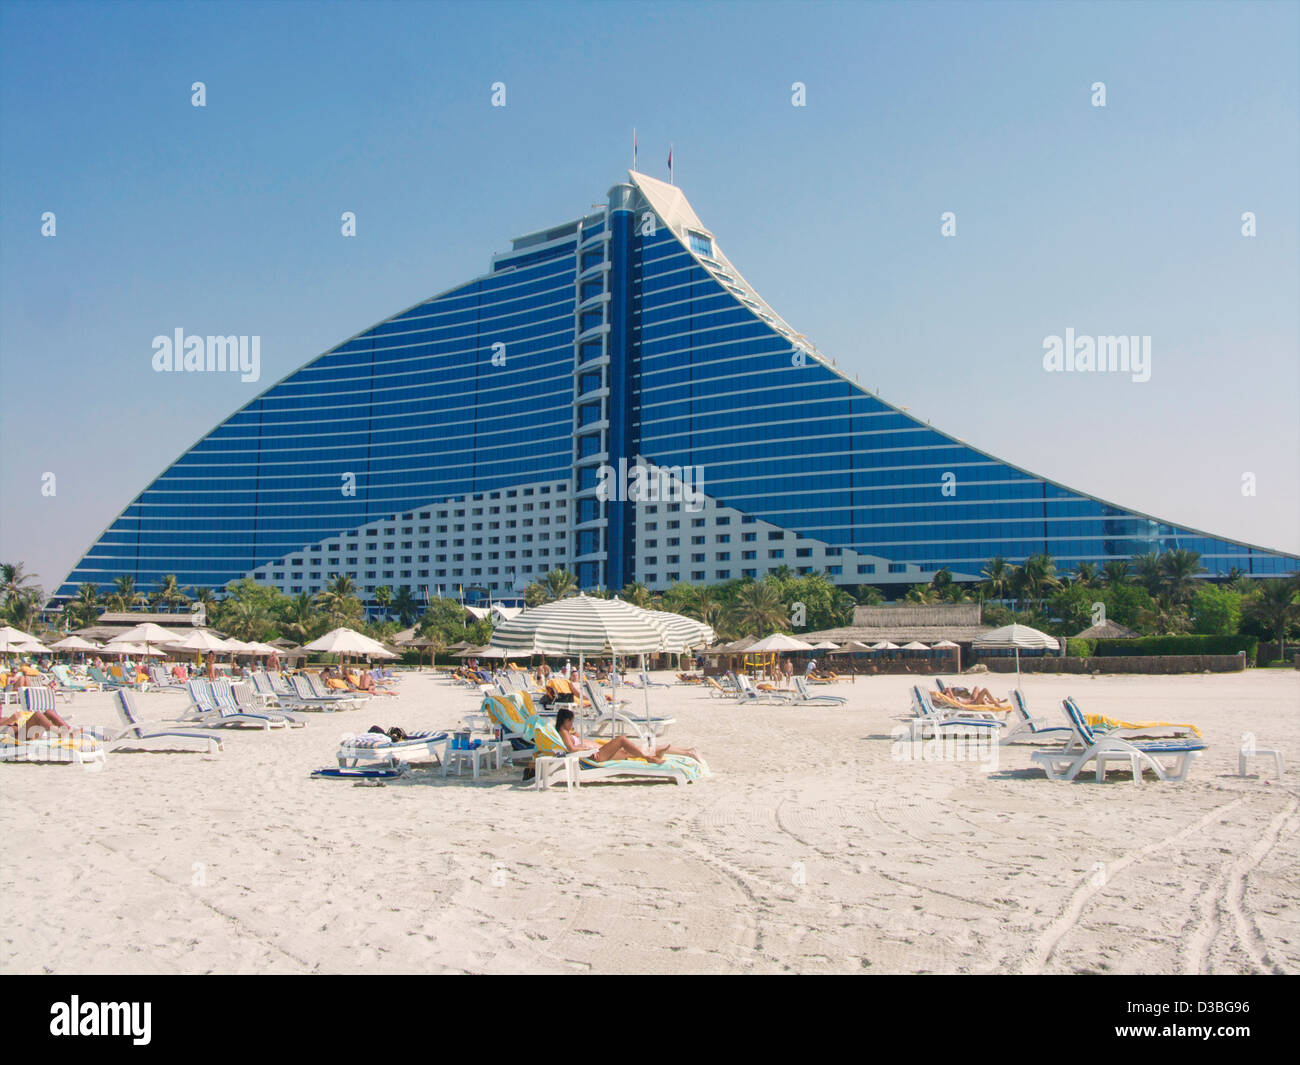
(670, 163)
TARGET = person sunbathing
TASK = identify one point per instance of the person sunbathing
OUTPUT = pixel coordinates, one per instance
(35, 723)
(618, 747)
(977, 697)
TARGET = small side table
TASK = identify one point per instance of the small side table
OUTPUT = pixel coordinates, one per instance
(487, 755)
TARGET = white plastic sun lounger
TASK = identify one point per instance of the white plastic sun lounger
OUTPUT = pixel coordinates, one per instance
(1088, 745)
(375, 746)
(926, 718)
(207, 712)
(1025, 726)
(607, 715)
(134, 728)
(805, 696)
(311, 684)
(751, 694)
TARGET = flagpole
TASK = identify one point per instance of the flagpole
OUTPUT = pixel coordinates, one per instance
(634, 147)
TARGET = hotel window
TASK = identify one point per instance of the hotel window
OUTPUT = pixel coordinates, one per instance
(749, 556)
(748, 519)
(898, 567)
(650, 545)
(778, 553)
(867, 567)
(723, 538)
(776, 534)
(722, 521)
(697, 575)
(803, 552)
(722, 556)
(748, 538)
(834, 571)
(697, 523)
(749, 573)
(722, 575)
(698, 539)
(698, 557)
(700, 243)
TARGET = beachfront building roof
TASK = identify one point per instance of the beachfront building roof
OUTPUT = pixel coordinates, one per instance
(611, 397)
(903, 623)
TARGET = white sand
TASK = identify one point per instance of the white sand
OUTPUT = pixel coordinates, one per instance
(811, 849)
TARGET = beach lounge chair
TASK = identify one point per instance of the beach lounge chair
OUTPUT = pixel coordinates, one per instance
(76, 745)
(104, 682)
(239, 695)
(1023, 725)
(207, 711)
(68, 682)
(926, 717)
(723, 689)
(163, 680)
(609, 717)
(579, 767)
(307, 693)
(752, 694)
(375, 746)
(645, 679)
(805, 696)
(321, 690)
(135, 728)
(1088, 745)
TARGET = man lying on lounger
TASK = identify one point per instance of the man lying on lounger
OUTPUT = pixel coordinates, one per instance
(618, 747)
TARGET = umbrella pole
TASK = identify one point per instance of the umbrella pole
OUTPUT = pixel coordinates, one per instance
(645, 682)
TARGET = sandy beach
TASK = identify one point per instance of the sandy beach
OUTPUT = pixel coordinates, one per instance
(813, 848)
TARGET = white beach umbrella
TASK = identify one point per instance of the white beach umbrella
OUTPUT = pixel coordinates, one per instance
(826, 645)
(779, 641)
(199, 640)
(32, 647)
(1016, 636)
(884, 645)
(915, 645)
(583, 625)
(74, 643)
(11, 639)
(345, 641)
(944, 643)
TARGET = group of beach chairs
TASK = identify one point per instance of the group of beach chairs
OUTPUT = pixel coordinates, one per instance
(264, 701)
(1166, 749)
(739, 688)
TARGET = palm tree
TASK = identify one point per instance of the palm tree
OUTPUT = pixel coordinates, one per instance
(384, 597)
(920, 593)
(759, 608)
(997, 574)
(1116, 571)
(1274, 605)
(1149, 573)
(300, 618)
(1178, 569)
(339, 599)
(1165, 618)
(1085, 573)
(13, 581)
(1039, 575)
(24, 607)
(246, 620)
(941, 581)
(408, 610)
(558, 584)
(638, 594)
(86, 604)
(170, 593)
(125, 596)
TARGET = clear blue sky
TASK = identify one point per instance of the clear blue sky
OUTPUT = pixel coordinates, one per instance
(1115, 220)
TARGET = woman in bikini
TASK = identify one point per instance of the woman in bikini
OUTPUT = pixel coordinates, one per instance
(618, 747)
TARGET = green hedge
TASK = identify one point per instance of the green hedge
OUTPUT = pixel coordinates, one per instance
(1077, 648)
(1177, 645)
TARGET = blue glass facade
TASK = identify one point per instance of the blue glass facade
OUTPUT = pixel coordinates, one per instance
(624, 334)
